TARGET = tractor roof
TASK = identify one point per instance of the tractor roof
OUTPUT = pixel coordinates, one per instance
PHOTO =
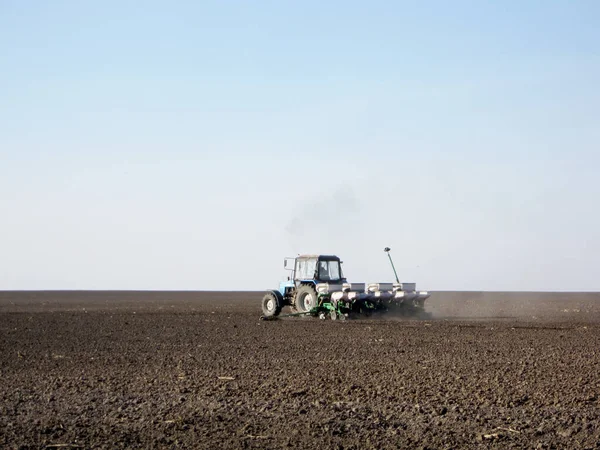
(322, 257)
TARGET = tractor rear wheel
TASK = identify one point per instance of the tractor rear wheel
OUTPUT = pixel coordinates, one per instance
(270, 305)
(306, 298)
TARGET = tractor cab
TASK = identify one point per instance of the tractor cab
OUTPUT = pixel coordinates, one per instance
(318, 268)
(306, 272)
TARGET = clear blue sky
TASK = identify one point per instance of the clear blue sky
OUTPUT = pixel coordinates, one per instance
(193, 145)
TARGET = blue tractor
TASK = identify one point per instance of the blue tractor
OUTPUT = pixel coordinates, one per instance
(300, 289)
(317, 287)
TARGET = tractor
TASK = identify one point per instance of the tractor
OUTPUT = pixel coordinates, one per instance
(317, 287)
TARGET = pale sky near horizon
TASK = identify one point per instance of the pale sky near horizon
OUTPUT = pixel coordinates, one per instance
(192, 145)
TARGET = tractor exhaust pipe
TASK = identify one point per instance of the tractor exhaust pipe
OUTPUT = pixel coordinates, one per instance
(387, 250)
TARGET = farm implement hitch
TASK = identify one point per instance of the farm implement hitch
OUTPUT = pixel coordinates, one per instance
(325, 309)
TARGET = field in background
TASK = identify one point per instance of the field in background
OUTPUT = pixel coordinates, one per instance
(199, 370)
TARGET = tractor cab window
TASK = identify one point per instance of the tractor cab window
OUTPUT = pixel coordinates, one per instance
(329, 270)
(305, 269)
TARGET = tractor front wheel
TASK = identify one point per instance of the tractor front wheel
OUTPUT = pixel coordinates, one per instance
(306, 298)
(270, 305)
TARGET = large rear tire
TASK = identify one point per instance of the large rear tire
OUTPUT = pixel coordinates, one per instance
(270, 305)
(306, 298)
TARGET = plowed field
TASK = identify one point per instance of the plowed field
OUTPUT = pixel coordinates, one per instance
(200, 370)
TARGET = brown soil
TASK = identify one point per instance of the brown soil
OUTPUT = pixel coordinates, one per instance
(199, 370)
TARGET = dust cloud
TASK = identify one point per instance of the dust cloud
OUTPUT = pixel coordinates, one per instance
(508, 305)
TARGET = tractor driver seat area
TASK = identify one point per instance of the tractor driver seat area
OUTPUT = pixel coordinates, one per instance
(325, 271)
